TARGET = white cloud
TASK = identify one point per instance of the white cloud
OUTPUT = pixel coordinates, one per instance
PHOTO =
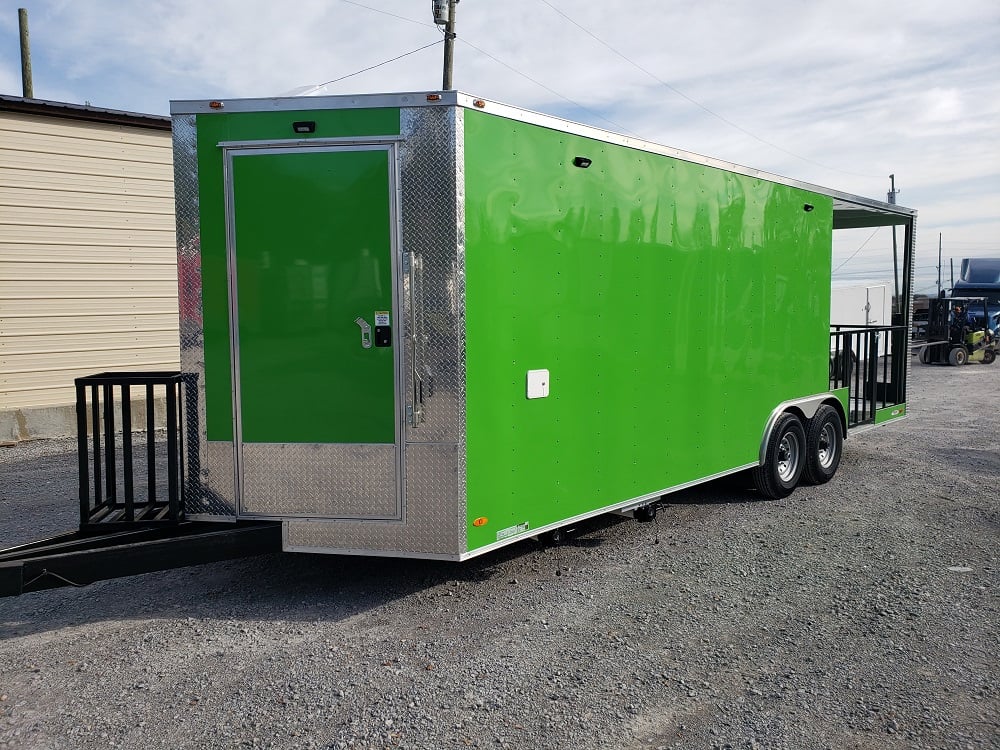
(848, 91)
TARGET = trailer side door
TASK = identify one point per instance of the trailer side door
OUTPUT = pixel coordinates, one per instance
(312, 310)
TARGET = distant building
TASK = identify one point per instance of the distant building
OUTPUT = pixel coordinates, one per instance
(88, 265)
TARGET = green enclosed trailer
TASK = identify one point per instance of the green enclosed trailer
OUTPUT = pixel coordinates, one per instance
(431, 325)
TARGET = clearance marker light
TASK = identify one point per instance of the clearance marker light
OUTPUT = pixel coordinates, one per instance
(481, 521)
(479, 103)
(434, 97)
(215, 105)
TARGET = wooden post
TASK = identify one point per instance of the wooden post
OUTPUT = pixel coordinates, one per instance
(26, 86)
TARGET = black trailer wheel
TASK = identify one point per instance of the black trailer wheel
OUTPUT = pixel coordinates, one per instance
(989, 357)
(784, 459)
(824, 445)
(958, 356)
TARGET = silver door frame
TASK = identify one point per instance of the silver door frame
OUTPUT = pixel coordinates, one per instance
(231, 150)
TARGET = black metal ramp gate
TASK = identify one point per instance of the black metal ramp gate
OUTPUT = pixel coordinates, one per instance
(131, 494)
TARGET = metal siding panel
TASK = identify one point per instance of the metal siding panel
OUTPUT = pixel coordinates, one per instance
(87, 236)
(117, 202)
(23, 385)
(79, 273)
(38, 343)
(19, 323)
(81, 144)
(64, 288)
(40, 180)
(85, 215)
(88, 254)
(51, 383)
(94, 360)
(15, 123)
(59, 164)
(110, 237)
(41, 308)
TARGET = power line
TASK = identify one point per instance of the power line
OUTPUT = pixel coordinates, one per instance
(856, 251)
(696, 102)
(551, 91)
(387, 13)
(497, 60)
(379, 65)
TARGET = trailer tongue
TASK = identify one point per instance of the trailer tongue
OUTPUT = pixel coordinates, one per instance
(131, 495)
(78, 558)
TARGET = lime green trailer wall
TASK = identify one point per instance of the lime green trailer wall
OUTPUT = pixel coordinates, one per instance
(385, 281)
(674, 305)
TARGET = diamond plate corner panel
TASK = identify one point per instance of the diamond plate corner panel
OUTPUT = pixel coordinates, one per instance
(432, 520)
(210, 484)
(320, 479)
(434, 288)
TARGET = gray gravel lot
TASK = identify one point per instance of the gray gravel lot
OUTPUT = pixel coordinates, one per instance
(859, 614)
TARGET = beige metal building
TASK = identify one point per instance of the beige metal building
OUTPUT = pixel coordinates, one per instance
(88, 265)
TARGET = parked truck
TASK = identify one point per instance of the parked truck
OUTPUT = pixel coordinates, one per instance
(980, 277)
(431, 325)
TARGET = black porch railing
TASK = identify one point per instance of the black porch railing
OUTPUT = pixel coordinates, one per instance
(109, 498)
(871, 362)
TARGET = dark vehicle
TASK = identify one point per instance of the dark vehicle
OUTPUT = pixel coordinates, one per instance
(980, 277)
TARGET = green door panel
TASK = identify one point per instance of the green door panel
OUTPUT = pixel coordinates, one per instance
(217, 128)
(312, 242)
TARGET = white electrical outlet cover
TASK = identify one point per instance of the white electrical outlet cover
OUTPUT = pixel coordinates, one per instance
(538, 383)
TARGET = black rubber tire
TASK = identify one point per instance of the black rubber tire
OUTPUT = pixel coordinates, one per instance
(958, 356)
(784, 459)
(925, 355)
(824, 445)
(989, 357)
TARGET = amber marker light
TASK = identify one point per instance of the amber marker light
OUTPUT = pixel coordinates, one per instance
(481, 521)
(215, 105)
(434, 97)
(479, 103)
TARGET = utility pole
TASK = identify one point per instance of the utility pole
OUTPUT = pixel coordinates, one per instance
(939, 264)
(26, 86)
(444, 15)
(895, 254)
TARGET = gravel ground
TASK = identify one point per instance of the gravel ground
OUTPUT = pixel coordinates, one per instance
(860, 614)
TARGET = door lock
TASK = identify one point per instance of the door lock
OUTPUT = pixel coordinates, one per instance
(366, 333)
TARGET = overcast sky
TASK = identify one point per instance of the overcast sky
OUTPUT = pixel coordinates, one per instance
(838, 93)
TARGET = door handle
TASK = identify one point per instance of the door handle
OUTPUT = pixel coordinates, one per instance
(366, 333)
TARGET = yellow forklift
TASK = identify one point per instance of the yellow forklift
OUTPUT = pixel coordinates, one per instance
(958, 332)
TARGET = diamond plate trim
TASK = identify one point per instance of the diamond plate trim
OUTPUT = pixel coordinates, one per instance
(433, 521)
(326, 480)
(434, 289)
(432, 186)
(210, 485)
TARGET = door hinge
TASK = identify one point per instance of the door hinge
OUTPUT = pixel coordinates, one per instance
(406, 262)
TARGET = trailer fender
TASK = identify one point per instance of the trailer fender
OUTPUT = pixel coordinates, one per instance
(806, 409)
